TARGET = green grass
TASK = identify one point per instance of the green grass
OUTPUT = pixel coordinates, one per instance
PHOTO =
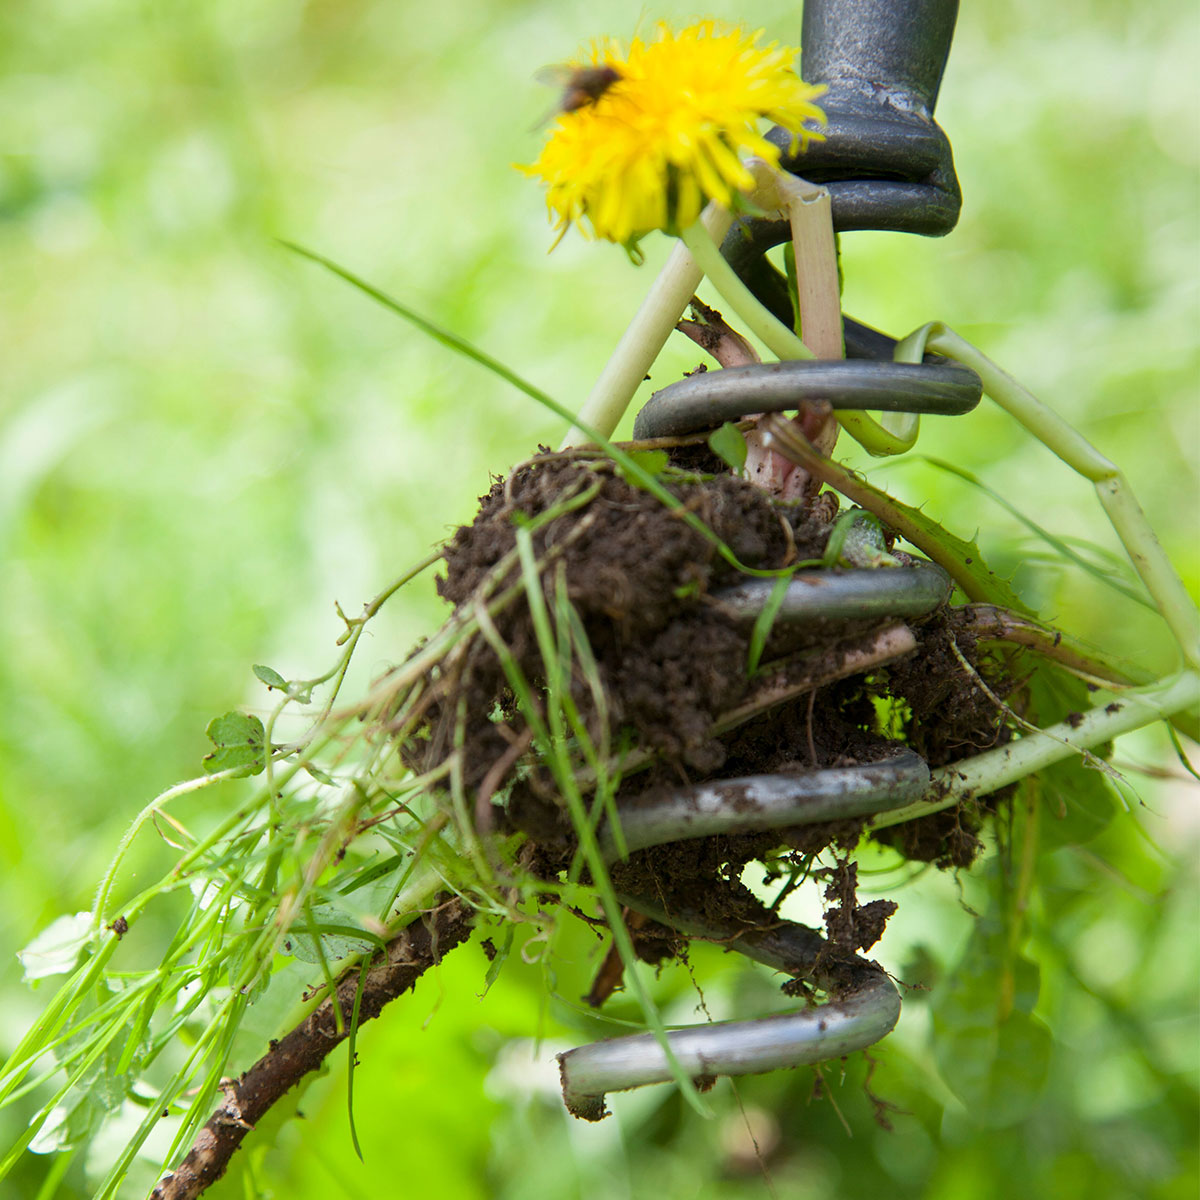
(204, 444)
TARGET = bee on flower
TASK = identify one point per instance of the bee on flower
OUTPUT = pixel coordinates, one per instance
(667, 132)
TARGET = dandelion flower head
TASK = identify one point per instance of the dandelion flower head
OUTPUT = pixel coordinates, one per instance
(665, 136)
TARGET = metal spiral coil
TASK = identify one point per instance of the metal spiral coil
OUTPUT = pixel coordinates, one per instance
(865, 1011)
(887, 165)
(706, 400)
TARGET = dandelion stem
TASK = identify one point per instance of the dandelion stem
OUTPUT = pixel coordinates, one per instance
(810, 213)
(994, 769)
(780, 340)
(647, 334)
(1071, 447)
(819, 304)
(765, 326)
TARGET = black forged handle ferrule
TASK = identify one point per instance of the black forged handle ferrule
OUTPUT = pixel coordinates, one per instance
(886, 162)
(897, 48)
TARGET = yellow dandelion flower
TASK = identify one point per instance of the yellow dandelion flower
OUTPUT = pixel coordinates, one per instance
(666, 132)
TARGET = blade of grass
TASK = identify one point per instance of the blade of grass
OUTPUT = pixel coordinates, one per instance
(1118, 585)
(460, 345)
(549, 735)
(764, 622)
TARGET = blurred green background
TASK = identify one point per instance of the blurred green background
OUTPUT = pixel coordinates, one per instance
(205, 442)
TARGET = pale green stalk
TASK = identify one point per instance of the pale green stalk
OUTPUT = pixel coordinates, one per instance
(810, 213)
(755, 318)
(647, 334)
(994, 769)
(1068, 444)
(779, 339)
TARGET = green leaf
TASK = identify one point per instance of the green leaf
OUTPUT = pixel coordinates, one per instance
(990, 1049)
(56, 950)
(729, 444)
(240, 744)
(341, 936)
(652, 462)
(301, 692)
(271, 678)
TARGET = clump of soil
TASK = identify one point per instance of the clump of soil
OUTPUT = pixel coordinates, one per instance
(640, 580)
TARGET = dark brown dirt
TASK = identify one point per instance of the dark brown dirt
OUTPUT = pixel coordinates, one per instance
(640, 579)
(637, 575)
(951, 718)
(849, 925)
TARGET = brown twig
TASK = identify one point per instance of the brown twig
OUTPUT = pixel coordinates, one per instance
(711, 332)
(248, 1099)
(612, 969)
(495, 777)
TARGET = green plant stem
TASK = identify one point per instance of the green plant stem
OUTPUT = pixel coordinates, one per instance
(1071, 447)
(765, 326)
(645, 337)
(629, 465)
(810, 213)
(994, 769)
(778, 338)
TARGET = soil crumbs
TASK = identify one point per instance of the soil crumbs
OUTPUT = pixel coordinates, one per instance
(663, 664)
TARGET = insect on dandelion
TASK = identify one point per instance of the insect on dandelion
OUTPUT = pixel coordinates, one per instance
(670, 131)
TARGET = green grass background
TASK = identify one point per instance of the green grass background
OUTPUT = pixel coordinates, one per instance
(205, 442)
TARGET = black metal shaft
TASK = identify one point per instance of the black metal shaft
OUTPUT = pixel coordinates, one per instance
(884, 159)
(896, 48)
(886, 162)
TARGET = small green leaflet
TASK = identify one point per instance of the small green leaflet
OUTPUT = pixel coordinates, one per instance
(653, 462)
(272, 678)
(239, 744)
(994, 1056)
(729, 444)
(340, 933)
